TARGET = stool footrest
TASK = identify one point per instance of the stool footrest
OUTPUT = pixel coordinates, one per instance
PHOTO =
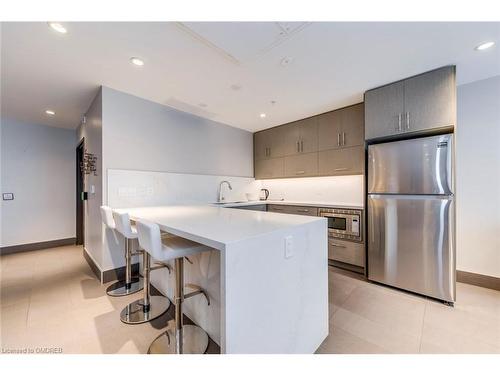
(197, 290)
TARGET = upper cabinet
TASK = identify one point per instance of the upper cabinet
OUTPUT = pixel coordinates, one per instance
(420, 103)
(268, 144)
(307, 147)
(341, 128)
(300, 136)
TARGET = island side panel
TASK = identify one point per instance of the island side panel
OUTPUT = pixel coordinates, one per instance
(274, 304)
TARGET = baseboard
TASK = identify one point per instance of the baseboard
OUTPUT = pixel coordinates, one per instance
(477, 279)
(37, 246)
(108, 275)
(118, 273)
(93, 265)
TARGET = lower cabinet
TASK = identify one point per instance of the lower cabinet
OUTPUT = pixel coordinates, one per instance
(343, 161)
(296, 210)
(301, 165)
(269, 168)
(346, 252)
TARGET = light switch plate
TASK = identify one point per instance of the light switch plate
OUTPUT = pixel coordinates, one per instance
(8, 196)
(288, 247)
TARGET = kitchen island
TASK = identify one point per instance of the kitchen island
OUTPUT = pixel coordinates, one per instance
(267, 276)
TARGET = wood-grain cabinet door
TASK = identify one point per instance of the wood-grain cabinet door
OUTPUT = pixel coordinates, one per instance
(353, 125)
(275, 140)
(269, 168)
(261, 145)
(340, 162)
(290, 135)
(384, 109)
(329, 130)
(308, 133)
(301, 165)
(430, 100)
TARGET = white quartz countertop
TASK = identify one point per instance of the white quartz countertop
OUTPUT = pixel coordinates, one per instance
(216, 226)
(289, 203)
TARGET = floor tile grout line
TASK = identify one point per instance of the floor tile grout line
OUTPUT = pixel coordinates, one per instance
(422, 330)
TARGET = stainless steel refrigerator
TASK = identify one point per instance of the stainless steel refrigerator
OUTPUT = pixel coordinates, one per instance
(411, 215)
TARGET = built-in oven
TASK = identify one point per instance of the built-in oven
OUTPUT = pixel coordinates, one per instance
(345, 238)
(343, 223)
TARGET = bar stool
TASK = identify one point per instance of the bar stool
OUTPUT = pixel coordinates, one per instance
(131, 284)
(189, 339)
(149, 307)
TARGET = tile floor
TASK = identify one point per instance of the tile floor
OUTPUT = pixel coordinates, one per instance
(370, 318)
(50, 298)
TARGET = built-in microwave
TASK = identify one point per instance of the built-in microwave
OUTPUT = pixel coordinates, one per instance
(343, 223)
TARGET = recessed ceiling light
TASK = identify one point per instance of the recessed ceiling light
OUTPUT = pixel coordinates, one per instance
(484, 46)
(136, 61)
(262, 115)
(58, 27)
(50, 112)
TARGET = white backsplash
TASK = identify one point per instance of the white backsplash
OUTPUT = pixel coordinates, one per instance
(342, 190)
(129, 188)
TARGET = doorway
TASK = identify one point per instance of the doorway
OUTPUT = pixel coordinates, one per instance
(80, 188)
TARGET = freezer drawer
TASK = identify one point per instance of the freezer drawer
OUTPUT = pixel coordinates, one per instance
(346, 252)
(414, 166)
(411, 243)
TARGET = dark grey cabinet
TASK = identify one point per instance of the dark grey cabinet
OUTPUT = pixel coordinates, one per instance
(416, 104)
(384, 109)
(430, 101)
(300, 136)
(330, 144)
(296, 210)
(341, 162)
(268, 144)
(341, 128)
(269, 168)
(304, 165)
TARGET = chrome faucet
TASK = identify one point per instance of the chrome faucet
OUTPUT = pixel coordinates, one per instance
(221, 196)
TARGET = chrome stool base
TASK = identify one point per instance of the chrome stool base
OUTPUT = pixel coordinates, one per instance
(134, 313)
(119, 289)
(194, 341)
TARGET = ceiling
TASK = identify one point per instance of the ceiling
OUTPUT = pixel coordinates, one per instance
(228, 72)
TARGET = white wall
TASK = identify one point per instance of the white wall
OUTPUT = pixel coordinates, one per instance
(478, 177)
(145, 136)
(38, 166)
(142, 135)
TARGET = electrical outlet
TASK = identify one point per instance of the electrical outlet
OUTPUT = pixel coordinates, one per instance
(288, 247)
(8, 196)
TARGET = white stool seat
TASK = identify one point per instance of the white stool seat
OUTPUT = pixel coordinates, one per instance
(122, 225)
(166, 247)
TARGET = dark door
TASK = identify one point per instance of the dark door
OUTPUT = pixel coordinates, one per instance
(79, 190)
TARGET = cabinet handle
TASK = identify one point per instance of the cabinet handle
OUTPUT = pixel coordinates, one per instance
(301, 146)
(300, 172)
(341, 169)
(408, 120)
(298, 146)
(338, 139)
(302, 210)
(277, 209)
(337, 245)
(343, 138)
(269, 152)
(399, 121)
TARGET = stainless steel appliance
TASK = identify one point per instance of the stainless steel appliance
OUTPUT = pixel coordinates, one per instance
(343, 223)
(411, 215)
(345, 237)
